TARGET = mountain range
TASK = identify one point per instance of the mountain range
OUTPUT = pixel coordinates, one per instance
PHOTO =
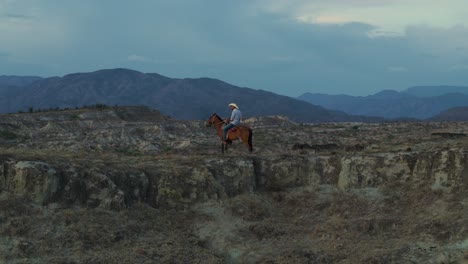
(179, 98)
(435, 90)
(452, 114)
(420, 102)
(198, 98)
(6, 81)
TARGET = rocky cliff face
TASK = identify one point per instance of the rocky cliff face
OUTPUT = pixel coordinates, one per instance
(130, 184)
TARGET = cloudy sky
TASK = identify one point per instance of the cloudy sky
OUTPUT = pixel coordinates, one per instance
(355, 47)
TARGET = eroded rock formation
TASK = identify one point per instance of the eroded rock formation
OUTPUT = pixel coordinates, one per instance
(130, 184)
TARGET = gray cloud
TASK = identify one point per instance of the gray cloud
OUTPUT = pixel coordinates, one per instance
(16, 16)
(235, 41)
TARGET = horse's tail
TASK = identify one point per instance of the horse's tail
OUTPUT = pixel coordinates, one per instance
(250, 140)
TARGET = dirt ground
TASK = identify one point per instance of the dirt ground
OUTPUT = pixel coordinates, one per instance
(323, 225)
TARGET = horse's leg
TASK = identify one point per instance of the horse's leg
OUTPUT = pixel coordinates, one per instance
(229, 138)
(224, 147)
(249, 140)
(246, 139)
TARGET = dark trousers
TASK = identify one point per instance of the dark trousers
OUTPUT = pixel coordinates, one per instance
(226, 129)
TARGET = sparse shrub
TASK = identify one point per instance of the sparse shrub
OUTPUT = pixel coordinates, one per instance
(249, 207)
(167, 148)
(128, 151)
(140, 132)
(171, 193)
(5, 134)
(100, 106)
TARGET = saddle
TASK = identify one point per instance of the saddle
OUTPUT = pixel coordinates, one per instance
(232, 130)
(235, 128)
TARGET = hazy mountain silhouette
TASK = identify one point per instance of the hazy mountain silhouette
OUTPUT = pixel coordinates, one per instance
(452, 114)
(391, 104)
(11, 87)
(179, 98)
(432, 91)
(6, 80)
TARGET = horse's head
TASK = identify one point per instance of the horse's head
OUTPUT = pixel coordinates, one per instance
(211, 120)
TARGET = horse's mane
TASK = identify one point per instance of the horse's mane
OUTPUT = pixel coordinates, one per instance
(217, 116)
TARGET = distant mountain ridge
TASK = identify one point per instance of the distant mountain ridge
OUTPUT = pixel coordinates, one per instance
(6, 80)
(179, 98)
(433, 91)
(412, 102)
(197, 98)
(452, 114)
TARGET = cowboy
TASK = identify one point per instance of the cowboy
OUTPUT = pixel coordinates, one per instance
(235, 119)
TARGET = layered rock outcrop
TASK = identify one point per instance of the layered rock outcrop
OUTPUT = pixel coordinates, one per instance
(178, 183)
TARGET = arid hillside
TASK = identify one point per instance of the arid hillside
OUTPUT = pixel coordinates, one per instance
(129, 185)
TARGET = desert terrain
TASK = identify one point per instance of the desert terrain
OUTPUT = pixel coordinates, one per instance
(129, 185)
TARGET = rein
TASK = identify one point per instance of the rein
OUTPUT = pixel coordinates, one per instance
(222, 121)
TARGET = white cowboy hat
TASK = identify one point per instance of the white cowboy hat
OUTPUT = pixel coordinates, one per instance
(233, 104)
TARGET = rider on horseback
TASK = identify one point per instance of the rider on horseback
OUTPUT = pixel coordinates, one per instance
(235, 119)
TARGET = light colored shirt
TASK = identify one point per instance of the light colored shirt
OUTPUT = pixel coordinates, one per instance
(236, 116)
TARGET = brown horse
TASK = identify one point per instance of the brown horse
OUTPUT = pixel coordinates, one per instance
(238, 132)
